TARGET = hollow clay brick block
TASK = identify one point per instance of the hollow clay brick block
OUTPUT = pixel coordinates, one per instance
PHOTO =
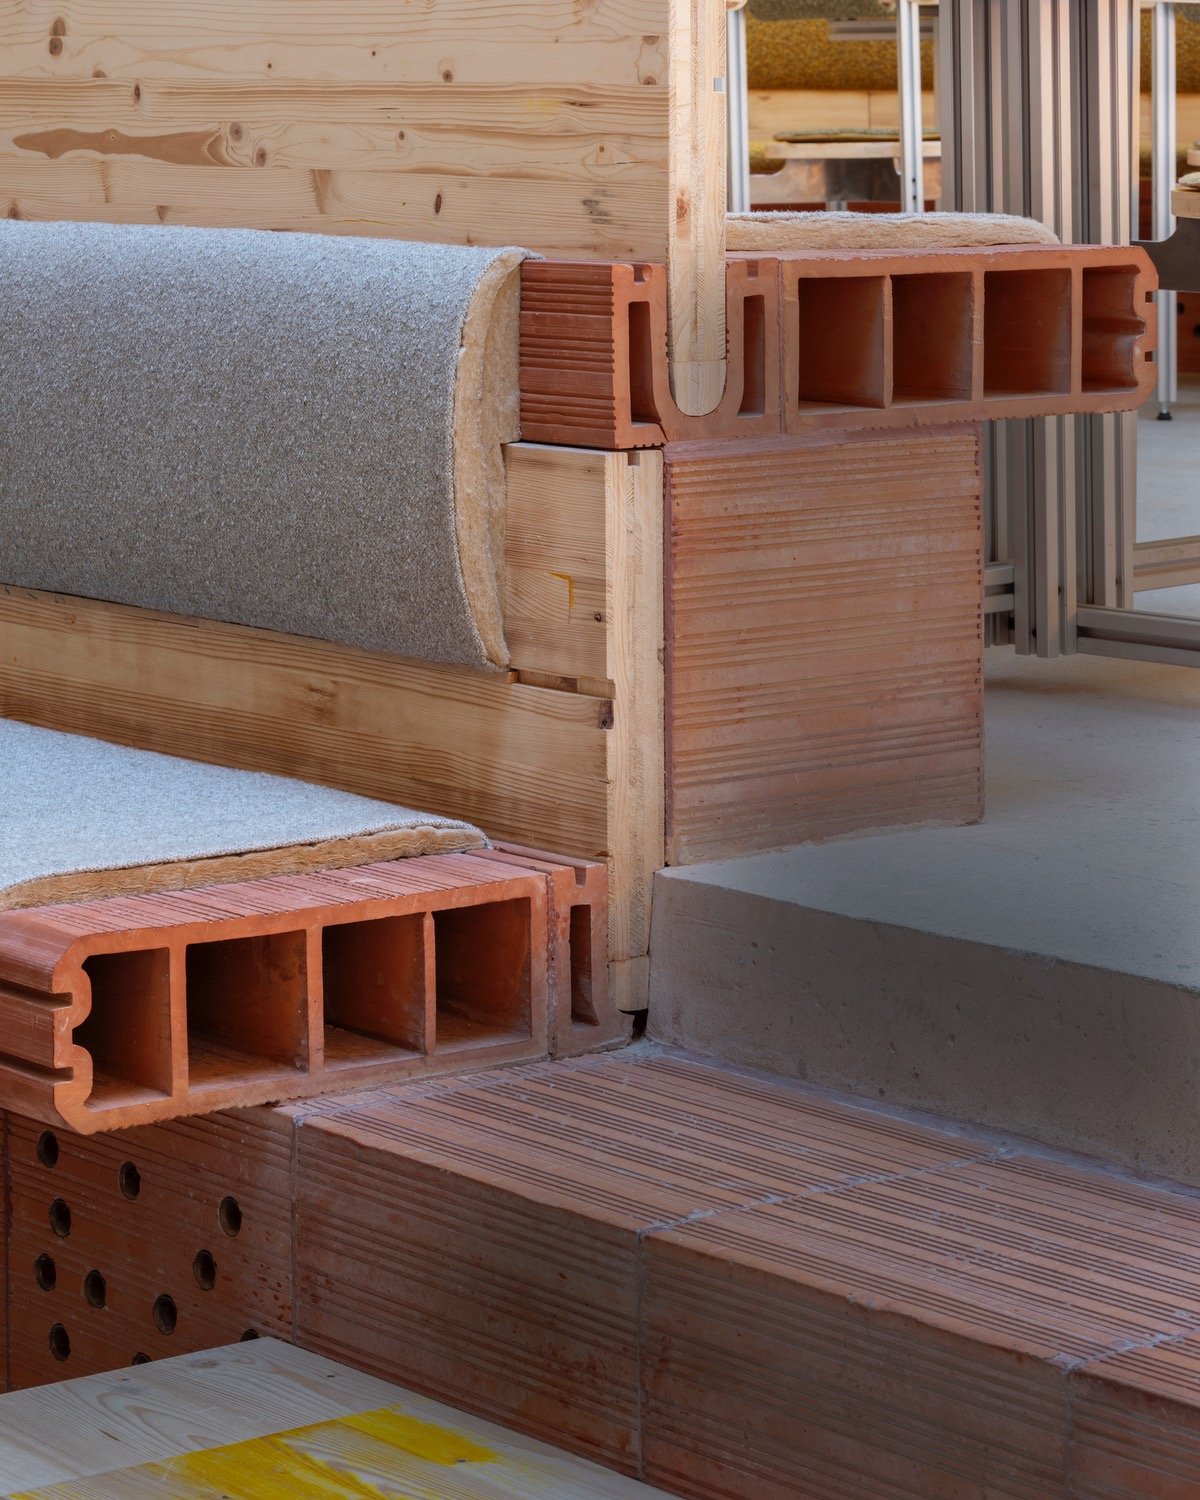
(919, 1336)
(843, 339)
(824, 638)
(483, 1239)
(142, 1008)
(1135, 1428)
(594, 365)
(582, 1016)
(152, 1242)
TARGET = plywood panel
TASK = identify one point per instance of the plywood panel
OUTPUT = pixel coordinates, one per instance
(823, 638)
(442, 41)
(263, 1418)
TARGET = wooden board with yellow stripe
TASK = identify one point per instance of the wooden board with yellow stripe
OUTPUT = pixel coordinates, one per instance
(265, 1421)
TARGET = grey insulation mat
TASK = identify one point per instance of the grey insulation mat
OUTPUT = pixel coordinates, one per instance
(80, 819)
(299, 432)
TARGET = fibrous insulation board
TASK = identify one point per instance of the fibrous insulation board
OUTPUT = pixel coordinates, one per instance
(292, 431)
(81, 819)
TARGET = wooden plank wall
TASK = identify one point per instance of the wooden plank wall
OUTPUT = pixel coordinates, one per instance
(590, 128)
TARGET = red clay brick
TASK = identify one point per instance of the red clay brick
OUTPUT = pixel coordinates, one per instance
(143, 1008)
(840, 338)
(145, 1210)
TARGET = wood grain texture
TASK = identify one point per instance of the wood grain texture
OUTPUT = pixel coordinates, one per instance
(698, 203)
(272, 1420)
(824, 639)
(575, 767)
(796, 1296)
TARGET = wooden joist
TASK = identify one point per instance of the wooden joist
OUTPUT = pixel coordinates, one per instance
(842, 339)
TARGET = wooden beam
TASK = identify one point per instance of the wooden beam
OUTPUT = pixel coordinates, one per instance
(636, 753)
(697, 209)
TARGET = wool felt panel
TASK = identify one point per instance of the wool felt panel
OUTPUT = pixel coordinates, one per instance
(298, 432)
(83, 819)
(766, 231)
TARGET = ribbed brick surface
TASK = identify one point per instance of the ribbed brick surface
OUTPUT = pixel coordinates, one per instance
(739, 1290)
(840, 338)
(147, 1243)
(486, 1240)
(142, 1008)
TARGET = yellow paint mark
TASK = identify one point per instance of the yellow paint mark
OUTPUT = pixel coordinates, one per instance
(308, 1463)
(437, 1445)
(570, 583)
(268, 1468)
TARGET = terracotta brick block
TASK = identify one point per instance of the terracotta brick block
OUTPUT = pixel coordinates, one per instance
(483, 1240)
(594, 370)
(582, 1016)
(143, 1008)
(824, 664)
(147, 1243)
(913, 1336)
(842, 339)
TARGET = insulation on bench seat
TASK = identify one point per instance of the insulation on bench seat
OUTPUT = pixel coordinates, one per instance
(297, 432)
(768, 230)
(84, 819)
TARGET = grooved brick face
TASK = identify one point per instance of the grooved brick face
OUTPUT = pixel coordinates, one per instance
(178, 1238)
(127, 1011)
(842, 339)
(485, 1239)
(735, 1288)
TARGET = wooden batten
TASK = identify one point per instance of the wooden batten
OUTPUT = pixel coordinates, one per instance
(575, 768)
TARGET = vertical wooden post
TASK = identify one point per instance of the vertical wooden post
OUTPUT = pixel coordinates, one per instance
(699, 151)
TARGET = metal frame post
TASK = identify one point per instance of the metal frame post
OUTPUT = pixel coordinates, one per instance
(912, 125)
(1162, 97)
(739, 111)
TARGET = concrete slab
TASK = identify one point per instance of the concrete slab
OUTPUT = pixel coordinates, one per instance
(1039, 972)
